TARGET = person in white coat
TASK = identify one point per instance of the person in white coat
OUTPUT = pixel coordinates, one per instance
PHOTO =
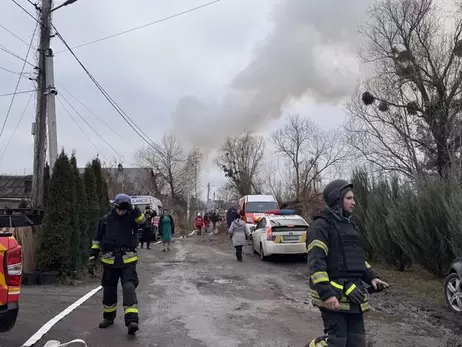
(237, 231)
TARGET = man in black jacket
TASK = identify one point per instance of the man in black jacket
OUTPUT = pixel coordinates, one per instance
(117, 241)
(147, 228)
(338, 268)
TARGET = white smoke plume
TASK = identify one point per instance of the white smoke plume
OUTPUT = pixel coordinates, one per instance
(312, 52)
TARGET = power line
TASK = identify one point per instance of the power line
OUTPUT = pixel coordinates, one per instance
(97, 134)
(143, 26)
(18, 93)
(81, 129)
(17, 83)
(27, 12)
(24, 75)
(12, 33)
(119, 110)
(94, 114)
(17, 126)
(6, 50)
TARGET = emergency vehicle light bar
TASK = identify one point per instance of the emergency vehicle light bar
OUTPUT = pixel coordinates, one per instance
(282, 212)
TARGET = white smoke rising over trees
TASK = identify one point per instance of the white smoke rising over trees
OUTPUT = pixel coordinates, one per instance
(311, 52)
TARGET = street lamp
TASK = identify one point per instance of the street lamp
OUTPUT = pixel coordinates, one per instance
(65, 3)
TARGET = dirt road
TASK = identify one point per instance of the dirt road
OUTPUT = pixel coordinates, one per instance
(198, 295)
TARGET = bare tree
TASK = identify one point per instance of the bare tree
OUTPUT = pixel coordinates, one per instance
(169, 160)
(416, 127)
(228, 194)
(241, 159)
(310, 151)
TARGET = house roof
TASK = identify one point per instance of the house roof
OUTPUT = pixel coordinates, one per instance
(130, 180)
(15, 186)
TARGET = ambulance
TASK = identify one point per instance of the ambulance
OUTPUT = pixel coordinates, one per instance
(144, 200)
(254, 207)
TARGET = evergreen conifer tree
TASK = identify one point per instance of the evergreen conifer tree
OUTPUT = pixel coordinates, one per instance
(92, 202)
(75, 216)
(56, 230)
(46, 185)
(101, 187)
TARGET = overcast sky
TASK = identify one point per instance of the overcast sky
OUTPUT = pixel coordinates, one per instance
(235, 65)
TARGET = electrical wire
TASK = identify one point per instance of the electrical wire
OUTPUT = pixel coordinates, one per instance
(94, 114)
(27, 12)
(143, 26)
(21, 92)
(17, 126)
(97, 134)
(12, 33)
(81, 129)
(19, 81)
(119, 110)
(24, 75)
(6, 50)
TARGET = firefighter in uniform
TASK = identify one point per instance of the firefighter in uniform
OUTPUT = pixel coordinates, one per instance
(338, 268)
(116, 239)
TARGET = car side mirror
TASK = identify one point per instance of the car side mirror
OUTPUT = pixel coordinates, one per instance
(252, 229)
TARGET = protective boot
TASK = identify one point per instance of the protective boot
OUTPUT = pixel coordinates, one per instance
(105, 323)
(132, 328)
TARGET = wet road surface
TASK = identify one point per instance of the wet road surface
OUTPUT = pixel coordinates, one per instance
(198, 295)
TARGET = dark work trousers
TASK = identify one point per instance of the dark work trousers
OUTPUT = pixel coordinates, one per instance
(344, 329)
(146, 237)
(129, 279)
(238, 252)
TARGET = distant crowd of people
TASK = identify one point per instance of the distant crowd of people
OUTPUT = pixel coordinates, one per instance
(203, 222)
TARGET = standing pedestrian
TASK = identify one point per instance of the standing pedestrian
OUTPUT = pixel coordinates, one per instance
(166, 229)
(338, 269)
(214, 218)
(117, 241)
(206, 221)
(147, 228)
(199, 223)
(237, 231)
(231, 215)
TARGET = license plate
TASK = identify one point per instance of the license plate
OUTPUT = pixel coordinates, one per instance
(292, 238)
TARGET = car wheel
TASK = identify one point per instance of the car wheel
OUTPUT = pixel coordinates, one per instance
(263, 257)
(453, 292)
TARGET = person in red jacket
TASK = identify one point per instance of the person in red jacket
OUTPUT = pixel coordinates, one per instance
(199, 223)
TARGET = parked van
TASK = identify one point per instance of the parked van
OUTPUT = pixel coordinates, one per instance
(255, 206)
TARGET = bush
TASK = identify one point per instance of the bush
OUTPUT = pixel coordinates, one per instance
(23, 204)
(56, 231)
(362, 188)
(420, 224)
(404, 222)
(374, 199)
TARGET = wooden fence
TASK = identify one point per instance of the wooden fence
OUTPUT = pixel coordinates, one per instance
(28, 238)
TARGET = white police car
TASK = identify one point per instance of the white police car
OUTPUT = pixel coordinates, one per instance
(280, 232)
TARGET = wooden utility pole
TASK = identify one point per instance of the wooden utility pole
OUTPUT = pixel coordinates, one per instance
(40, 125)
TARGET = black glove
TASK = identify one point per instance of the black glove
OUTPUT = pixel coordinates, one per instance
(355, 294)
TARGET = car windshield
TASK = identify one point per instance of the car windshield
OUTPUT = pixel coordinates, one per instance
(261, 206)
